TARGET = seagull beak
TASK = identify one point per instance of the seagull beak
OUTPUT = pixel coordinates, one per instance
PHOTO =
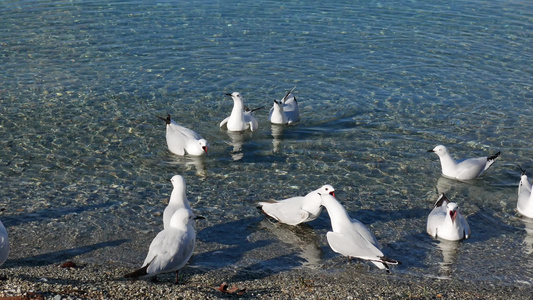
(332, 193)
(199, 218)
(431, 150)
(453, 215)
(205, 149)
(228, 94)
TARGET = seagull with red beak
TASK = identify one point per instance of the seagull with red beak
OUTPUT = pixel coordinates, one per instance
(182, 140)
(446, 222)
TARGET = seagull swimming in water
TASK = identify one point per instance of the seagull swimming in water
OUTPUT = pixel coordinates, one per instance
(171, 249)
(285, 111)
(4, 244)
(241, 118)
(525, 197)
(466, 169)
(296, 210)
(446, 222)
(178, 199)
(181, 140)
(351, 238)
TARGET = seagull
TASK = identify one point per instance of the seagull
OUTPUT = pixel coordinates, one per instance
(240, 119)
(181, 140)
(465, 169)
(285, 111)
(525, 197)
(446, 222)
(178, 199)
(171, 249)
(4, 244)
(296, 210)
(351, 238)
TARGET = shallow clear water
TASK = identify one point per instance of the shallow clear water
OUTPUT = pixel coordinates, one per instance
(84, 165)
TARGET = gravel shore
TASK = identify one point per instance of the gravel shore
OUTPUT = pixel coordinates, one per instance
(354, 281)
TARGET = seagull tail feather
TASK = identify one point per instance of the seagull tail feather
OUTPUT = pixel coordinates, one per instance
(137, 273)
(389, 261)
(167, 119)
(440, 201)
(491, 160)
(494, 157)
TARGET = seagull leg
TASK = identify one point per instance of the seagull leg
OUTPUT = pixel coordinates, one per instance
(177, 278)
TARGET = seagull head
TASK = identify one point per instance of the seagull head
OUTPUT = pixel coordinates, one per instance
(452, 210)
(203, 144)
(326, 189)
(177, 180)
(236, 96)
(440, 150)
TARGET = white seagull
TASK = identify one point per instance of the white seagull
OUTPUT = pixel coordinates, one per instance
(285, 111)
(525, 197)
(296, 210)
(446, 222)
(181, 140)
(351, 238)
(171, 249)
(239, 119)
(466, 169)
(4, 244)
(178, 199)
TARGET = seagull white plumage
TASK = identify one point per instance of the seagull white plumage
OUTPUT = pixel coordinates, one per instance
(296, 210)
(239, 119)
(466, 169)
(171, 249)
(350, 237)
(285, 111)
(446, 222)
(178, 199)
(181, 140)
(4, 244)
(525, 197)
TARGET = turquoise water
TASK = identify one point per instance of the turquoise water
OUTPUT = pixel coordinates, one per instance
(84, 166)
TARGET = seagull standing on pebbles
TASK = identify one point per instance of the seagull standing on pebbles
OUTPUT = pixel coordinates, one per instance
(181, 140)
(171, 249)
(351, 238)
(296, 210)
(446, 222)
(467, 169)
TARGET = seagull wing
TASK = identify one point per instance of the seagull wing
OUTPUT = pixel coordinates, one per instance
(224, 122)
(464, 225)
(172, 249)
(354, 245)
(435, 219)
(470, 168)
(288, 211)
(251, 121)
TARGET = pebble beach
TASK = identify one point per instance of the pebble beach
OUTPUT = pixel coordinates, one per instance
(352, 282)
